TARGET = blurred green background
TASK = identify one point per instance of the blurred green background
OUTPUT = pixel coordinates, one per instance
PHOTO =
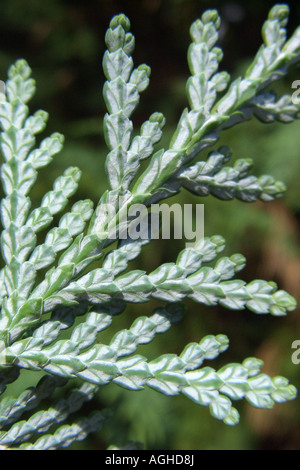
(63, 41)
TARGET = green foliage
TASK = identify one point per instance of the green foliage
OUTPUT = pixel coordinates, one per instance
(39, 307)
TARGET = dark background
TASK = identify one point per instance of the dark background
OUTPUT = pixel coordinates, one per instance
(63, 41)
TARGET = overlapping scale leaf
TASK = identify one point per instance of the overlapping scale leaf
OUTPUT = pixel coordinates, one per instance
(174, 281)
(121, 94)
(65, 435)
(43, 420)
(268, 109)
(224, 182)
(11, 409)
(204, 84)
(59, 238)
(18, 175)
(169, 374)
